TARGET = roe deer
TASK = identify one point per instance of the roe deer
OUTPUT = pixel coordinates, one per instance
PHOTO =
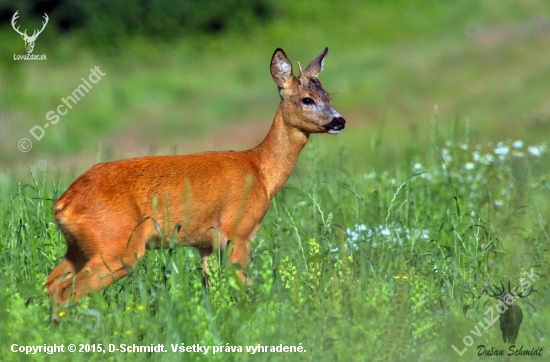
(511, 318)
(112, 212)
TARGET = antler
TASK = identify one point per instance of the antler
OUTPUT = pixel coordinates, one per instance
(35, 33)
(300, 69)
(531, 290)
(43, 26)
(497, 293)
(15, 16)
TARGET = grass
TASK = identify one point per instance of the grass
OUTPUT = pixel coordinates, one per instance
(390, 264)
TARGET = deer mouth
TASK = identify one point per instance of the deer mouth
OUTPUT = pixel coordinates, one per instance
(336, 125)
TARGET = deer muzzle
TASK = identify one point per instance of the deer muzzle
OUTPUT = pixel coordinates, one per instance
(335, 125)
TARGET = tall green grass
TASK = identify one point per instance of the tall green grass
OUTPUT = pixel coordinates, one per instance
(385, 265)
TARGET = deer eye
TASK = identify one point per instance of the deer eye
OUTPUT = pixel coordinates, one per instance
(308, 101)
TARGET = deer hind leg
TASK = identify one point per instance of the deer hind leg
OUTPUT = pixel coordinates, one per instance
(82, 271)
(96, 275)
(68, 267)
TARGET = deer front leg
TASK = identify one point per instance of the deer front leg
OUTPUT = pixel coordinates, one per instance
(239, 252)
(205, 254)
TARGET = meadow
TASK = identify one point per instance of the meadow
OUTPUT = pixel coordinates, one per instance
(383, 242)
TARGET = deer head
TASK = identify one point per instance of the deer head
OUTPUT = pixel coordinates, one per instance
(303, 100)
(512, 316)
(29, 40)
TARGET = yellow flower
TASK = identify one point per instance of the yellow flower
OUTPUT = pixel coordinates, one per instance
(61, 314)
(140, 307)
(128, 308)
(396, 277)
(128, 332)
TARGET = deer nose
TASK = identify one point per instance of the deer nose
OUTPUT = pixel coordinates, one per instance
(339, 122)
(335, 125)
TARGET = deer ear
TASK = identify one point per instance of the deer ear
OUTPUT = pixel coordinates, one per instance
(281, 69)
(316, 65)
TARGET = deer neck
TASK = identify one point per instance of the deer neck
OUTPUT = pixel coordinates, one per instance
(278, 153)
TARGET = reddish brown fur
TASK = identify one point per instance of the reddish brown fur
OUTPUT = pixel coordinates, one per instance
(111, 212)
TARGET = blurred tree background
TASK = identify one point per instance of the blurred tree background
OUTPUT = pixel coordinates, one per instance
(193, 75)
(110, 23)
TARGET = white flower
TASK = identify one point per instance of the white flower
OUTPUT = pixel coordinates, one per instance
(446, 155)
(518, 144)
(487, 159)
(536, 150)
(469, 166)
(381, 232)
(501, 149)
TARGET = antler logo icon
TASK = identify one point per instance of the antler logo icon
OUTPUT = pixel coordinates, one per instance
(29, 40)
